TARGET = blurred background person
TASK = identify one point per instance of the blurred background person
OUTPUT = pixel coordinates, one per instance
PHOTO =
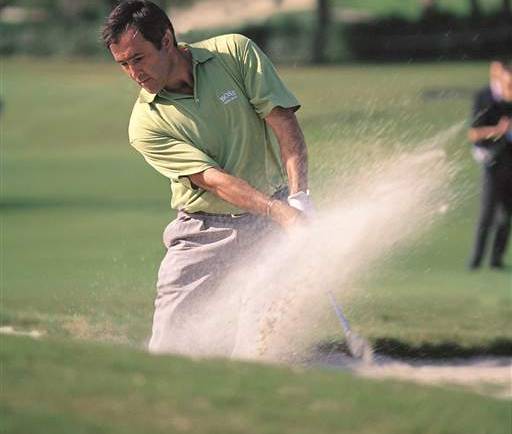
(491, 136)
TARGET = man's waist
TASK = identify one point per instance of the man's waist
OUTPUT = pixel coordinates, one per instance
(201, 215)
(280, 193)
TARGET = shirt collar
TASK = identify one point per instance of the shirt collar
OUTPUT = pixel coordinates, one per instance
(199, 55)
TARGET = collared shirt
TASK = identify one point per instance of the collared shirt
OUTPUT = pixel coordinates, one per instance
(220, 125)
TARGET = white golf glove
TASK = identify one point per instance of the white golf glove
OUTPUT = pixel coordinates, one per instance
(303, 203)
(481, 155)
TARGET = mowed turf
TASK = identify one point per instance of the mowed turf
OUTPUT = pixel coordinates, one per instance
(53, 388)
(82, 216)
(82, 213)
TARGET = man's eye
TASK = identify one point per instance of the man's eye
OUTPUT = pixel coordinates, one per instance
(137, 59)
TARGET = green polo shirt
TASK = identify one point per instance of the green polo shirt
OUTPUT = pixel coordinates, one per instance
(220, 125)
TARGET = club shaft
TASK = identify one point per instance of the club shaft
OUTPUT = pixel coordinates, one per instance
(339, 313)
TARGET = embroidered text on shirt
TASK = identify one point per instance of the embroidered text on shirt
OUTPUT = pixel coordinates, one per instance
(228, 96)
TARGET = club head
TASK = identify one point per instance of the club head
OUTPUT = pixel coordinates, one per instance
(359, 348)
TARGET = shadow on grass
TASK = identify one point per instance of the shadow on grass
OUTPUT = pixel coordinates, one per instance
(426, 350)
(87, 203)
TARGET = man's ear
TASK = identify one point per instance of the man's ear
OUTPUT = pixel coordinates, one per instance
(167, 40)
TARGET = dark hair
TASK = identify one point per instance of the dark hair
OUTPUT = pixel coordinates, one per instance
(505, 61)
(145, 16)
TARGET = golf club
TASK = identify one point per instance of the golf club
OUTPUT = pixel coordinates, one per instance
(358, 347)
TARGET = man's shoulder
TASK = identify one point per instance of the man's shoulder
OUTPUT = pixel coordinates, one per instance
(483, 99)
(138, 118)
(140, 108)
(143, 120)
(484, 93)
(233, 44)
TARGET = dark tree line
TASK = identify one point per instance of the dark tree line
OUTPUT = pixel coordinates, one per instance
(476, 8)
(69, 13)
(67, 7)
(324, 15)
(323, 18)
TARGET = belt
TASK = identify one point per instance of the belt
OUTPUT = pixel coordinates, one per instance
(209, 214)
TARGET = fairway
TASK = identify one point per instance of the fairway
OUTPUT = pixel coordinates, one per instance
(82, 216)
(65, 387)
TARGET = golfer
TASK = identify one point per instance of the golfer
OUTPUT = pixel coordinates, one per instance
(491, 134)
(217, 121)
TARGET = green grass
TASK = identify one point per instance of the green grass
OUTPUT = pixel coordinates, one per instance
(81, 223)
(344, 119)
(66, 387)
(82, 214)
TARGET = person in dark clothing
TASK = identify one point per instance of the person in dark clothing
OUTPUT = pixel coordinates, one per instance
(491, 134)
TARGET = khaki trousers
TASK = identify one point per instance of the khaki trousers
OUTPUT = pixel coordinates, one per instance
(195, 313)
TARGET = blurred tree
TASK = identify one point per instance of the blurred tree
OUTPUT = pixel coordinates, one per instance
(71, 7)
(475, 9)
(429, 9)
(507, 7)
(164, 4)
(428, 4)
(74, 11)
(323, 18)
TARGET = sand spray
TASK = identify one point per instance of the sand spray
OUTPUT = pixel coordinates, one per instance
(273, 306)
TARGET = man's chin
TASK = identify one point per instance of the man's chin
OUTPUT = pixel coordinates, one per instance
(149, 88)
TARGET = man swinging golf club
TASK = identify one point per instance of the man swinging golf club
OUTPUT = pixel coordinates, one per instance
(217, 121)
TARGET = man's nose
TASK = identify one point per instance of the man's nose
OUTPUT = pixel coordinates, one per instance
(135, 72)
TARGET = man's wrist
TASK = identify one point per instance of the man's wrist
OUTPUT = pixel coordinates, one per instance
(284, 214)
(270, 203)
(274, 208)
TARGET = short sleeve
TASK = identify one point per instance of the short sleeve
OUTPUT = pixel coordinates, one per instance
(172, 158)
(264, 88)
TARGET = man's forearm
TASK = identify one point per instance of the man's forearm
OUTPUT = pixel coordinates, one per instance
(484, 133)
(239, 193)
(231, 189)
(292, 145)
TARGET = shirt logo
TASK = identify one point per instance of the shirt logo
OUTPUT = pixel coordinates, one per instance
(228, 96)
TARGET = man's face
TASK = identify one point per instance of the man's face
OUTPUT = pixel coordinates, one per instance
(143, 63)
(506, 84)
(495, 71)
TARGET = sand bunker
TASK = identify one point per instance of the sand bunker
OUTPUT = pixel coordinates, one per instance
(486, 375)
(9, 330)
(276, 304)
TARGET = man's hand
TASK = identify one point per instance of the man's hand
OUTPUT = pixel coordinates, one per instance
(494, 132)
(303, 203)
(503, 126)
(239, 193)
